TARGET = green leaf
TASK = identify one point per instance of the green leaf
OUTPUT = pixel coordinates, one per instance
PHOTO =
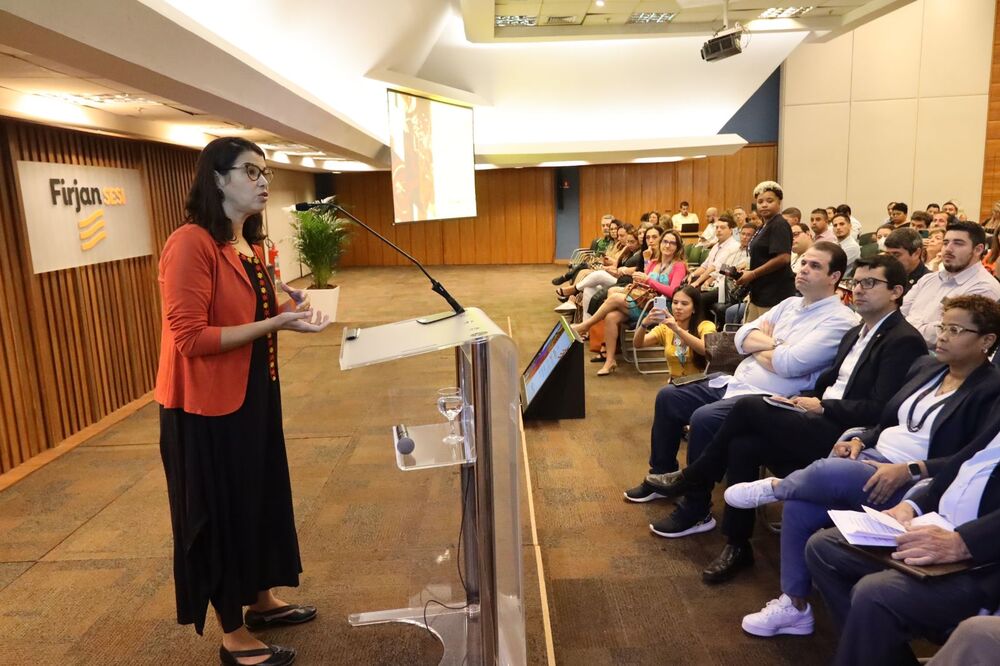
(321, 239)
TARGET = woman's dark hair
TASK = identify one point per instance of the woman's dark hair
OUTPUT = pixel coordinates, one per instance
(697, 316)
(645, 246)
(204, 202)
(985, 313)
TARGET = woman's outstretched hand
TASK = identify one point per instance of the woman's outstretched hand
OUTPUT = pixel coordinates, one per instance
(307, 321)
(300, 297)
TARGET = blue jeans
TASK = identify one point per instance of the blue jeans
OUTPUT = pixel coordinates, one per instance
(702, 407)
(830, 483)
(734, 313)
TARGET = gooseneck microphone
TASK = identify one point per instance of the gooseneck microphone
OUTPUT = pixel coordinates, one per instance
(330, 205)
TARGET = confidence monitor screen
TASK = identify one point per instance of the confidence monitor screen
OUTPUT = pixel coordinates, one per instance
(433, 164)
(546, 359)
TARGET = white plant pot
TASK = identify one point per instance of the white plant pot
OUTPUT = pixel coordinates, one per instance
(325, 300)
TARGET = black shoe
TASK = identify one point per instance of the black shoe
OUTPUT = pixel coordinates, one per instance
(291, 614)
(680, 523)
(642, 493)
(280, 656)
(559, 280)
(729, 562)
(671, 484)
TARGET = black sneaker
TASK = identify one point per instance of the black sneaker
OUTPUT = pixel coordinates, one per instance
(642, 493)
(559, 280)
(680, 524)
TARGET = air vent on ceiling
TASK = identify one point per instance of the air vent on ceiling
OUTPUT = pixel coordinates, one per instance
(784, 12)
(515, 20)
(563, 20)
(651, 17)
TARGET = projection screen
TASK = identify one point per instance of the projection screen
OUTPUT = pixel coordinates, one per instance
(433, 172)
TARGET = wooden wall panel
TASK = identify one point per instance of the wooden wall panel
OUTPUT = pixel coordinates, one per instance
(78, 344)
(629, 190)
(991, 161)
(515, 222)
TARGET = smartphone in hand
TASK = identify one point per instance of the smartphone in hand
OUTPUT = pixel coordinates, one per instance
(660, 302)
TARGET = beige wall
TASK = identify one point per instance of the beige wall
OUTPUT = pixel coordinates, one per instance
(893, 111)
(288, 188)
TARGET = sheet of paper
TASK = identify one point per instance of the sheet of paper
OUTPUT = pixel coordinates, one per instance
(932, 519)
(884, 519)
(860, 530)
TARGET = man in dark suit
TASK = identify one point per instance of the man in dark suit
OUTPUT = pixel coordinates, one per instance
(869, 368)
(881, 609)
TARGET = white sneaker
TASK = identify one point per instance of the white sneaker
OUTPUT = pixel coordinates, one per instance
(566, 307)
(779, 616)
(750, 495)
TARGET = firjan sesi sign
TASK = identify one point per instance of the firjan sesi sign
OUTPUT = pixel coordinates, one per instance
(80, 215)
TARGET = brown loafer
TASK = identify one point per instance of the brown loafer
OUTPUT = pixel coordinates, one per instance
(290, 614)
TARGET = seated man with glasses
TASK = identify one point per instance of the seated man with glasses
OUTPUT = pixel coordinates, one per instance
(869, 368)
(788, 348)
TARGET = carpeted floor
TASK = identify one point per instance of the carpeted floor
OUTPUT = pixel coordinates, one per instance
(85, 574)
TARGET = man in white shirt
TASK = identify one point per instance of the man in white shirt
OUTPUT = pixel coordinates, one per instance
(802, 240)
(684, 216)
(789, 347)
(722, 254)
(963, 274)
(870, 367)
(855, 222)
(707, 238)
(842, 230)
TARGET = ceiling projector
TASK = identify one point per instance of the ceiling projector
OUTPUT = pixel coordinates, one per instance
(724, 44)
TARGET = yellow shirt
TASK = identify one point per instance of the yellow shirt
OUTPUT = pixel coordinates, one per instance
(666, 338)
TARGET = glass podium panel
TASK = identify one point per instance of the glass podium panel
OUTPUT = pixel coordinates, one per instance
(490, 630)
(401, 339)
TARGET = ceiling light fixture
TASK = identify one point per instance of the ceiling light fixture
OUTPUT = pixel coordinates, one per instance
(516, 21)
(651, 17)
(785, 12)
(655, 160)
(599, 3)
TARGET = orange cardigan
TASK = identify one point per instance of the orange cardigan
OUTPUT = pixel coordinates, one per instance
(203, 287)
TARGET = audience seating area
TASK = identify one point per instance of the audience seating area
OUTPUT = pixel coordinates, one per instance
(827, 364)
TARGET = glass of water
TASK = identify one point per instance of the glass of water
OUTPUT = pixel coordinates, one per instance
(450, 404)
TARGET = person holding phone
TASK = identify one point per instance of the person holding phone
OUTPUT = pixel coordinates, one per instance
(680, 333)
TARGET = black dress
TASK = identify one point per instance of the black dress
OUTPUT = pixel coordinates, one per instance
(230, 495)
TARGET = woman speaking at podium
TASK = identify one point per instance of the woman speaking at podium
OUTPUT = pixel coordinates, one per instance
(221, 435)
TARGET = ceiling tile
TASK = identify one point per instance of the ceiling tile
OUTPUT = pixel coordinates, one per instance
(606, 19)
(518, 8)
(62, 85)
(657, 6)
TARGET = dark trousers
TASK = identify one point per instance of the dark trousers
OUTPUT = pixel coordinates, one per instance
(754, 434)
(880, 609)
(703, 408)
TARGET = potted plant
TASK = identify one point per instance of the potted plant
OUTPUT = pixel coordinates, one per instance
(320, 238)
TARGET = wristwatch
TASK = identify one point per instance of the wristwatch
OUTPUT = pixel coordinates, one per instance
(914, 469)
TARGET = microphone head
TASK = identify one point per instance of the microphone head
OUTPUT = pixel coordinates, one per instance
(303, 206)
(405, 445)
